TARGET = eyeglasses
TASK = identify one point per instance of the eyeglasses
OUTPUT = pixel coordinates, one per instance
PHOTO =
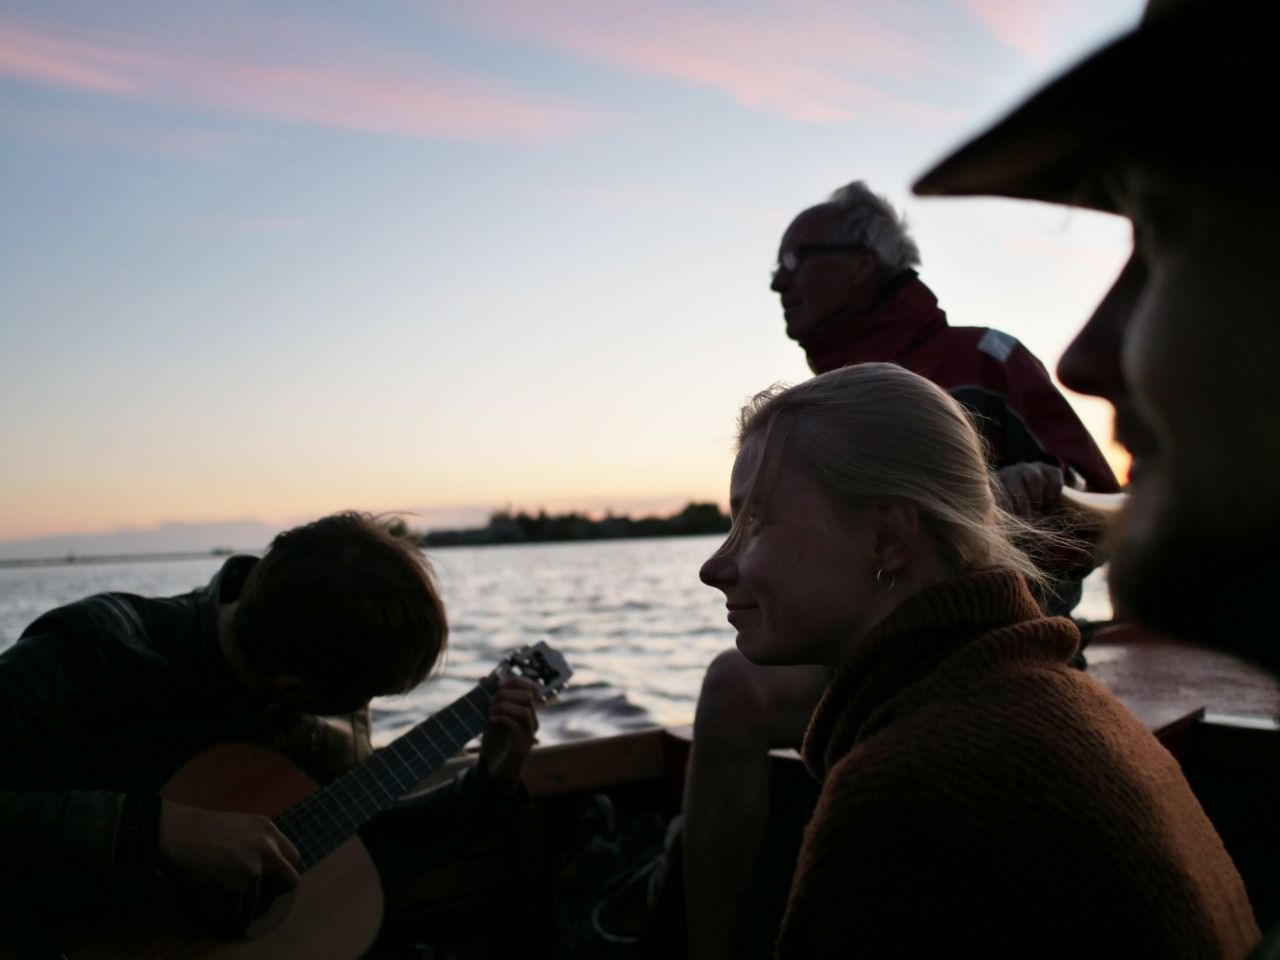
(791, 259)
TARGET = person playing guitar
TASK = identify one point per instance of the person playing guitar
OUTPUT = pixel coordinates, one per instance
(102, 700)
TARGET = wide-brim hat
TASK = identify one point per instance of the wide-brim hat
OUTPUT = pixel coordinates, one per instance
(1191, 86)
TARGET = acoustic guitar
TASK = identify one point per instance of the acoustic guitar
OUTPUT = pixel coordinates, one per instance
(336, 909)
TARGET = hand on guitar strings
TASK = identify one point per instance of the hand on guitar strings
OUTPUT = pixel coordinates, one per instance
(513, 725)
(234, 863)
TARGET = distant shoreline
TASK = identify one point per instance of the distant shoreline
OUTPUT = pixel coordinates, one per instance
(179, 555)
(507, 528)
(551, 541)
(72, 560)
(503, 529)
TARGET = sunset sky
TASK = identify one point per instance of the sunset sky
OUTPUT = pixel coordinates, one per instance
(272, 260)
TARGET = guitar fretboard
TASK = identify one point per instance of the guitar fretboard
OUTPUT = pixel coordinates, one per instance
(319, 824)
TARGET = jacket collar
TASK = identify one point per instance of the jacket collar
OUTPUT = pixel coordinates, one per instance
(906, 311)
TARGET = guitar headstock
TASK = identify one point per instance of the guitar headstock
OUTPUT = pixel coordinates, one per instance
(540, 663)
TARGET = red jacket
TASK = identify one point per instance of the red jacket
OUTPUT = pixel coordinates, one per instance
(1020, 412)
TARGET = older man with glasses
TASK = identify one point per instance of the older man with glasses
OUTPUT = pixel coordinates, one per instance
(850, 294)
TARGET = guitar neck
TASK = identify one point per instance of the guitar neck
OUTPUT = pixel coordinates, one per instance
(320, 823)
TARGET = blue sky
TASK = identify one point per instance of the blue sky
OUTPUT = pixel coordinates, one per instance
(274, 260)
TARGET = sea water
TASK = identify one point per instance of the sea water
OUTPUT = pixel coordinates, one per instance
(630, 616)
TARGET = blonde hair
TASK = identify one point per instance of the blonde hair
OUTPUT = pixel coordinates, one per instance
(874, 431)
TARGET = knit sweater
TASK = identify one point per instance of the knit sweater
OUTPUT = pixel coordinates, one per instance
(982, 799)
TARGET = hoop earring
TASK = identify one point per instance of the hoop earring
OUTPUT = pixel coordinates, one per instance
(893, 580)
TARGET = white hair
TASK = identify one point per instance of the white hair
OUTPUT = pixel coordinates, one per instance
(869, 220)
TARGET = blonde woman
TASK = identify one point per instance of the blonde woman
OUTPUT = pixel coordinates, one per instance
(979, 797)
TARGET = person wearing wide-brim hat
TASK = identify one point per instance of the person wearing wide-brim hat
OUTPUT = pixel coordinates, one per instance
(1191, 87)
(1171, 126)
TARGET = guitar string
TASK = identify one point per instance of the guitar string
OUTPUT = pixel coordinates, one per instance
(379, 772)
(322, 821)
(318, 804)
(339, 824)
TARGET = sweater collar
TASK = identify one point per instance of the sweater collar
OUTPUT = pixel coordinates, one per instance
(905, 648)
(906, 311)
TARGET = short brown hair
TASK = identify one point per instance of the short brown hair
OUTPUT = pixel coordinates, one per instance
(343, 605)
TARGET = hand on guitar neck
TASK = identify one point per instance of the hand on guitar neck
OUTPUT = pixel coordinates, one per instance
(512, 729)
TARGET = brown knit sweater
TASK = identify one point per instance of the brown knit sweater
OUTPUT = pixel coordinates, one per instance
(981, 799)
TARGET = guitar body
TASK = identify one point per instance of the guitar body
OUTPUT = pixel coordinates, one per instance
(335, 912)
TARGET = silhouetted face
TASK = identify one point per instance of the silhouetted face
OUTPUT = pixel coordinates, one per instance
(798, 580)
(1186, 345)
(825, 285)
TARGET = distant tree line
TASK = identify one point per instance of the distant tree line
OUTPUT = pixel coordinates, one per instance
(506, 527)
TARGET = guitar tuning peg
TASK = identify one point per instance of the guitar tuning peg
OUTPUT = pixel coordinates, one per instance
(549, 693)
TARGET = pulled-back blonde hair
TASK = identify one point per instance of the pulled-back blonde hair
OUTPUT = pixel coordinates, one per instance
(875, 431)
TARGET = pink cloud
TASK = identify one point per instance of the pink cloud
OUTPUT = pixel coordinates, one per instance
(1034, 29)
(1014, 23)
(413, 98)
(814, 61)
(57, 62)
(436, 103)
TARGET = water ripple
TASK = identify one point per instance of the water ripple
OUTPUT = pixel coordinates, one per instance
(630, 616)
